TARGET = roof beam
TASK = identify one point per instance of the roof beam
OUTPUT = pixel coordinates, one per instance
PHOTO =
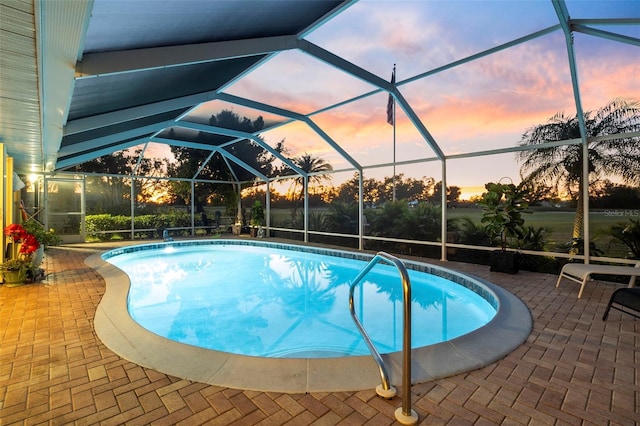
(333, 144)
(260, 106)
(293, 116)
(482, 54)
(113, 138)
(242, 164)
(242, 135)
(115, 117)
(607, 21)
(222, 152)
(344, 65)
(413, 117)
(327, 17)
(123, 61)
(182, 143)
(376, 81)
(565, 22)
(77, 158)
(444, 67)
(606, 34)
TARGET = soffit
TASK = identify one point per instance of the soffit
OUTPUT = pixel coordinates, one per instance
(19, 99)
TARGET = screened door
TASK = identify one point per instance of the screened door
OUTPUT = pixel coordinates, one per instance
(65, 208)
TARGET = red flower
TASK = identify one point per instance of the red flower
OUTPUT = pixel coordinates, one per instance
(24, 243)
(15, 232)
(29, 245)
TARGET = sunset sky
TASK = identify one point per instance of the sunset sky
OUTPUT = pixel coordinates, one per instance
(480, 105)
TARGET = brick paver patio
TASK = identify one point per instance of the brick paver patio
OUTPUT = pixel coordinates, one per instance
(574, 369)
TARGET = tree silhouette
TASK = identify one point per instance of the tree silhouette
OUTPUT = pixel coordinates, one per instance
(310, 164)
(111, 192)
(407, 189)
(561, 166)
(453, 193)
(195, 163)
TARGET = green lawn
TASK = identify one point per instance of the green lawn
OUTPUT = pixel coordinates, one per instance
(560, 224)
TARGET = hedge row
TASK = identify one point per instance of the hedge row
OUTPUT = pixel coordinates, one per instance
(101, 226)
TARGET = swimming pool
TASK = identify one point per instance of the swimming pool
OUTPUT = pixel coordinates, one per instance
(264, 301)
(275, 298)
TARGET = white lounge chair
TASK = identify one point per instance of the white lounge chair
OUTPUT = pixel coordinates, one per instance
(581, 273)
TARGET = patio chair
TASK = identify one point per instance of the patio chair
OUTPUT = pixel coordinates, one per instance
(581, 273)
(626, 300)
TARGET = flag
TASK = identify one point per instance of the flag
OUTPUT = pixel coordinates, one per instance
(390, 102)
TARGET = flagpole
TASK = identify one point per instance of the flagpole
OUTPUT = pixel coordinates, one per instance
(394, 135)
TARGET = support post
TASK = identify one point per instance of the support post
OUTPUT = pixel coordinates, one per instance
(443, 230)
(360, 210)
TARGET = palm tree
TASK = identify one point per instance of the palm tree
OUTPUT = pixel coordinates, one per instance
(312, 165)
(561, 166)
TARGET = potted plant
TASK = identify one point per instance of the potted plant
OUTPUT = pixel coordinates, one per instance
(503, 206)
(257, 217)
(18, 266)
(45, 238)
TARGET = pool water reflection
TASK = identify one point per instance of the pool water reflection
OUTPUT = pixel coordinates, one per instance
(272, 302)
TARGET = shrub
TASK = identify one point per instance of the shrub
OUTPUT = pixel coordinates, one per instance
(628, 233)
(342, 218)
(396, 219)
(96, 225)
(534, 239)
(470, 232)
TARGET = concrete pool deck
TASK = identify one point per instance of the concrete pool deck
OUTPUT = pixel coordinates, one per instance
(572, 369)
(120, 333)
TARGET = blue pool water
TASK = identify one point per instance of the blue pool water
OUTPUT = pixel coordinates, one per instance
(270, 301)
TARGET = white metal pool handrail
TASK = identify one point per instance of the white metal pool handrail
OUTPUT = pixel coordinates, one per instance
(404, 414)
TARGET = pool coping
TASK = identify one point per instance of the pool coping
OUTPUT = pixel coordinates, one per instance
(120, 333)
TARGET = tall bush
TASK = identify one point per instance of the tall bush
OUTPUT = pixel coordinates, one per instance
(503, 205)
